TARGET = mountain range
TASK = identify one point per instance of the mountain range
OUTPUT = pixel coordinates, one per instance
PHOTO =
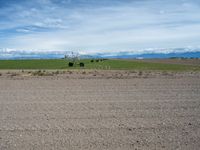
(171, 53)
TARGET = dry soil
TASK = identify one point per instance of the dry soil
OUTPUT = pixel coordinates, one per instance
(100, 110)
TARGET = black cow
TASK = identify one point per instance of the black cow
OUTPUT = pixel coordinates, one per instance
(82, 64)
(71, 64)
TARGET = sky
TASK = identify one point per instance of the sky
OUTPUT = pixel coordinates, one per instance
(89, 26)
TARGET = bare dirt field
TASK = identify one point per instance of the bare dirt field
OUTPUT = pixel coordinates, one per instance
(111, 110)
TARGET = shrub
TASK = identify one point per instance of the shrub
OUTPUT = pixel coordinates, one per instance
(140, 73)
(38, 73)
(57, 72)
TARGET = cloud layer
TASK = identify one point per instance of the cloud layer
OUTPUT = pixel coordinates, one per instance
(90, 26)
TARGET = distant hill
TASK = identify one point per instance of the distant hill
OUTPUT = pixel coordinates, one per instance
(128, 55)
(118, 55)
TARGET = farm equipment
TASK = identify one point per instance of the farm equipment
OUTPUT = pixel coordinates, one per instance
(73, 59)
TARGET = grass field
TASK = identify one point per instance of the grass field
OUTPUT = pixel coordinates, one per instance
(106, 64)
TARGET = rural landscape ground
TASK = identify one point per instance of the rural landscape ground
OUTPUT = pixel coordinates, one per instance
(124, 109)
(104, 64)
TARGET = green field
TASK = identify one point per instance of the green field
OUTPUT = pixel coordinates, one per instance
(105, 65)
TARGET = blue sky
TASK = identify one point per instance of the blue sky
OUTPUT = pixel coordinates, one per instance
(90, 26)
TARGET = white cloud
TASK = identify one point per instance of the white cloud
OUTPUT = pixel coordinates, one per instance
(136, 25)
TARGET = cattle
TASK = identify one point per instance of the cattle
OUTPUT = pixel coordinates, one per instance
(82, 64)
(71, 64)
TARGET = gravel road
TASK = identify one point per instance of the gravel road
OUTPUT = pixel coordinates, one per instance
(60, 113)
